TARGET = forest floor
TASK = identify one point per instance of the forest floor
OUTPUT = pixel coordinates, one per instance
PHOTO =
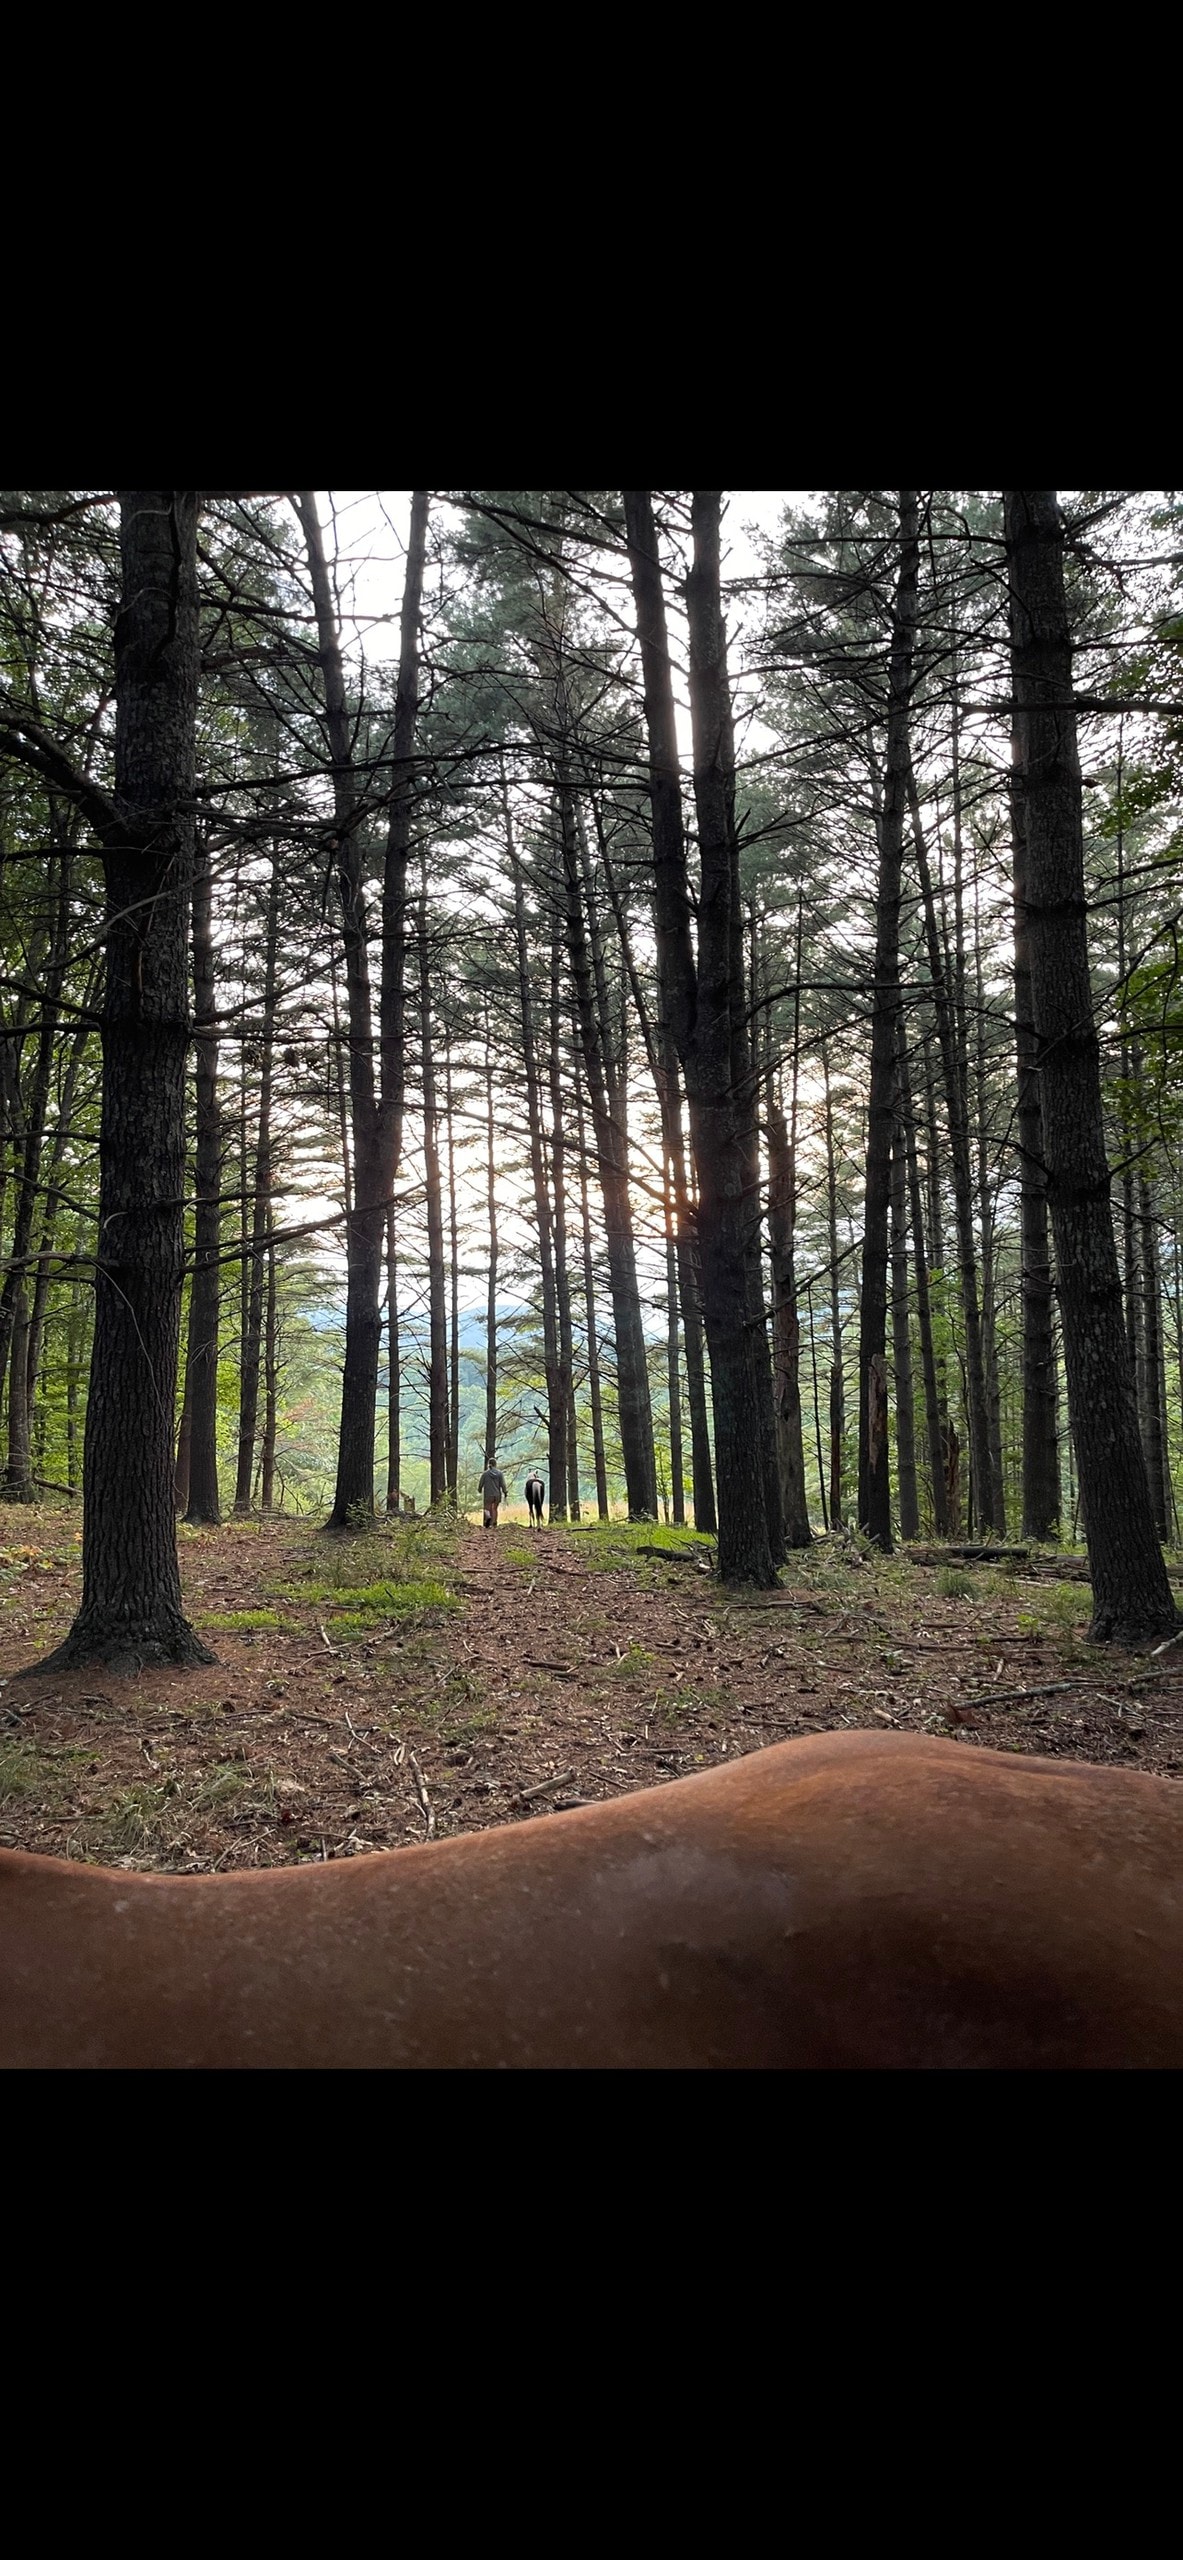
(431, 1678)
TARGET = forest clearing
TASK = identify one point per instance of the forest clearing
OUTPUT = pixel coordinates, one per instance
(375, 1692)
(668, 999)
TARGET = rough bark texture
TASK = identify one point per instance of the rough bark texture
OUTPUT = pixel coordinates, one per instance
(606, 1098)
(1041, 1457)
(901, 1346)
(394, 1455)
(595, 1396)
(786, 1324)
(437, 1368)
(1132, 1598)
(837, 1399)
(254, 1269)
(131, 1609)
(932, 1409)
(556, 1390)
(950, 1018)
(205, 1294)
(699, 1007)
(874, 1509)
(491, 1300)
(376, 1101)
(560, 1495)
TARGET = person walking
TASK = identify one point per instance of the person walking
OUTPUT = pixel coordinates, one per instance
(493, 1493)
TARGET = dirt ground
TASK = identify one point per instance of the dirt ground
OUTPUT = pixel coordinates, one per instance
(433, 1678)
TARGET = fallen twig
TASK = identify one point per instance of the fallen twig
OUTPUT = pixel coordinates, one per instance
(329, 1648)
(424, 1798)
(525, 1795)
(1011, 1697)
(534, 1662)
(1177, 1638)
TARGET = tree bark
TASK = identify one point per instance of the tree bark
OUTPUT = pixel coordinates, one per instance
(786, 1323)
(932, 1409)
(394, 1454)
(556, 1399)
(491, 1303)
(1132, 1599)
(560, 1495)
(1041, 1456)
(252, 1332)
(376, 1101)
(205, 1294)
(437, 1371)
(606, 1100)
(697, 1004)
(901, 1345)
(950, 1014)
(874, 1476)
(131, 1611)
(595, 1396)
(270, 1391)
(837, 1400)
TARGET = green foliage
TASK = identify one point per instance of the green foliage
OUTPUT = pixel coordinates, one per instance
(953, 1584)
(389, 1599)
(242, 1621)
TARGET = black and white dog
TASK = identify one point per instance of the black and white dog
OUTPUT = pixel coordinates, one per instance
(535, 1490)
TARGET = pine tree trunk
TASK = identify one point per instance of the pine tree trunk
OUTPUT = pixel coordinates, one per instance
(376, 1102)
(986, 1220)
(606, 1097)
(394, 1453)
(270, 1392)
(950, 1017)
(697, 1009)
(932, 1410)
(131, 1611)
(837, 1399)
(1041, 1456)
(874, 1511)
(556, 1400)
(252, 1335)
(560, 1495)
(1150, 1399)
(437, 1375)
(201, 1368)
(454, 1281)
(663, 1066)
(901, 1346)
(589, 1313)
(1132, 1598)
(786, 1323)
(490, 1446)
(720, 1089)
(15, 1321)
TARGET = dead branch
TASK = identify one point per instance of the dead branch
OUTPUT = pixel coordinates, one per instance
(526, 1795)
(424, 1798)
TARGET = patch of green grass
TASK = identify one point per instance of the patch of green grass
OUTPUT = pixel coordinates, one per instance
(482, 1720)
(523, 1556)
(952, 1584)
(367, 1603)
(636, 1664)
(27, 1770)
(1063, 1610)
(239, 1621)
(613, 1545)
(220, 1786)
(139, 1817)
(21, 1771)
